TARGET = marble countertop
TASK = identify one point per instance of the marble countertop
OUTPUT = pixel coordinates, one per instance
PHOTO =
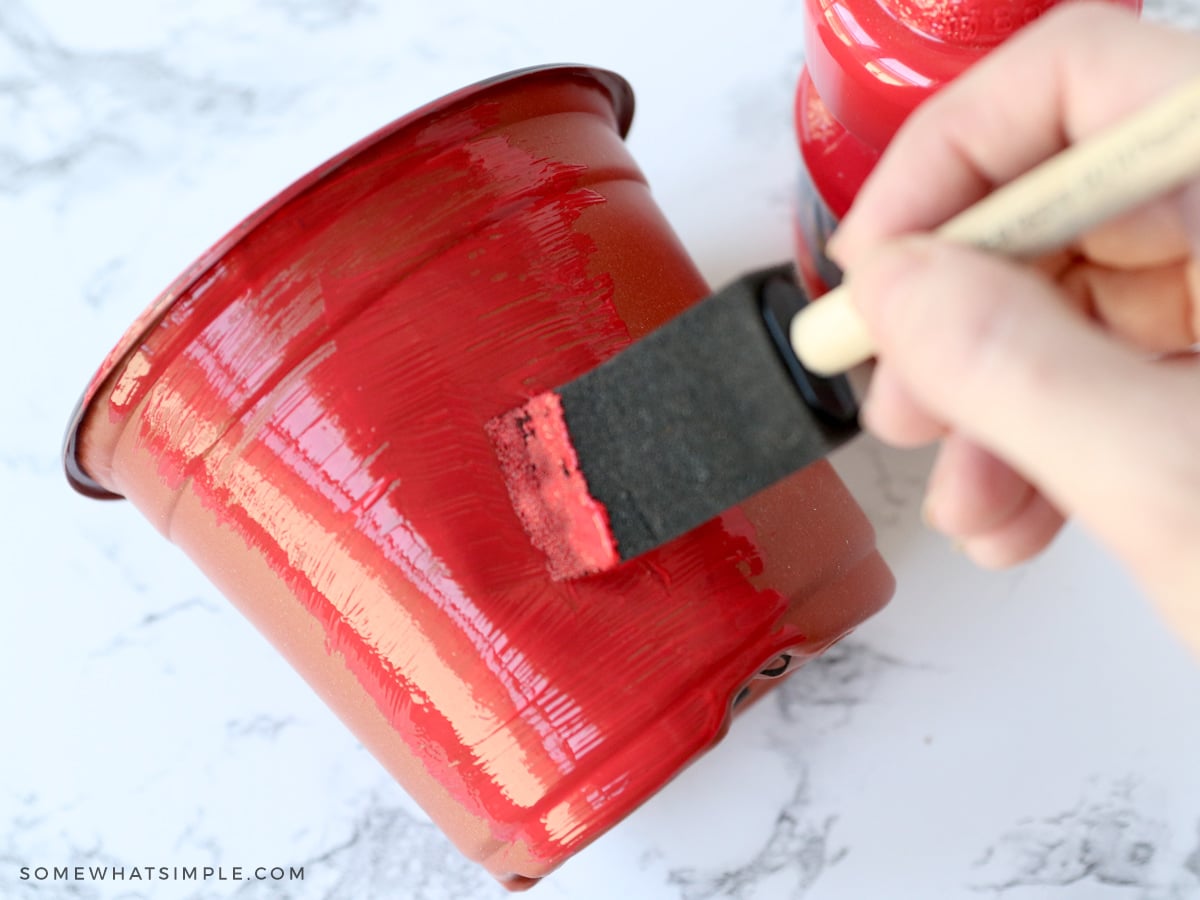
(1031, 734)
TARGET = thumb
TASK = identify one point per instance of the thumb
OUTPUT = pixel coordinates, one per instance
(991, 349)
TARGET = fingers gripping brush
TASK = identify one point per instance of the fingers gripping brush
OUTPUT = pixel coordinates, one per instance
(729, 397)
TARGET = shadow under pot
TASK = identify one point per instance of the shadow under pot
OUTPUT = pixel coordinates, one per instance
(302, 412)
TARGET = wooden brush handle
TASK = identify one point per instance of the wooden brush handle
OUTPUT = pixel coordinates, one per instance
(1146, 155)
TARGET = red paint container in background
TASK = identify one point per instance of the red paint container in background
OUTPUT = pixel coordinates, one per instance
(868, 65)
(303, 410)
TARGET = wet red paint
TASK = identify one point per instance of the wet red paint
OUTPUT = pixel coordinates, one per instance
(304, 413)
(548, 489)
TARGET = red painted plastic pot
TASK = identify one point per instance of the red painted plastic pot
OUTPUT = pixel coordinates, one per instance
(302, 412)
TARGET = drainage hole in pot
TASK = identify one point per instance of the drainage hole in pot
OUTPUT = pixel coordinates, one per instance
(776, 667)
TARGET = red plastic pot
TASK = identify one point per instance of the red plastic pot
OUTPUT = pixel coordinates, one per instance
(302, 412)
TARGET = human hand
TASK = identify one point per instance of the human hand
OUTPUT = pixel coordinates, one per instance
(1061, 389)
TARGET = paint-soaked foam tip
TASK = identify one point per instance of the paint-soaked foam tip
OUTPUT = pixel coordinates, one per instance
(548, 490)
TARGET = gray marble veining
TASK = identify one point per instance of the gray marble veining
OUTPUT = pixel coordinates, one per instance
(1030, 735)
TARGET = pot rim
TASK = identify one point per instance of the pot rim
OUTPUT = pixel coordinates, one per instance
(618, 89)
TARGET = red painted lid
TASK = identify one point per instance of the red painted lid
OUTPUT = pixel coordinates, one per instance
(874, 61)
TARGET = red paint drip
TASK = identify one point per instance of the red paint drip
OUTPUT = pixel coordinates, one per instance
(549, 491)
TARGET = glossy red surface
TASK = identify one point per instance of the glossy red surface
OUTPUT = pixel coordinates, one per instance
(303, 412)
(834, 165)
(548, 490)
(874, 61)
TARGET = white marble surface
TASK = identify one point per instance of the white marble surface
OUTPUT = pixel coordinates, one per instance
(1034, 734)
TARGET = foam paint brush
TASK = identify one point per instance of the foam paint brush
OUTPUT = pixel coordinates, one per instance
(684, 423)
(743, 388)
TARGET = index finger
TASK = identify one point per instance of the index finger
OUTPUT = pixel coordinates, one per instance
(1080, 68)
